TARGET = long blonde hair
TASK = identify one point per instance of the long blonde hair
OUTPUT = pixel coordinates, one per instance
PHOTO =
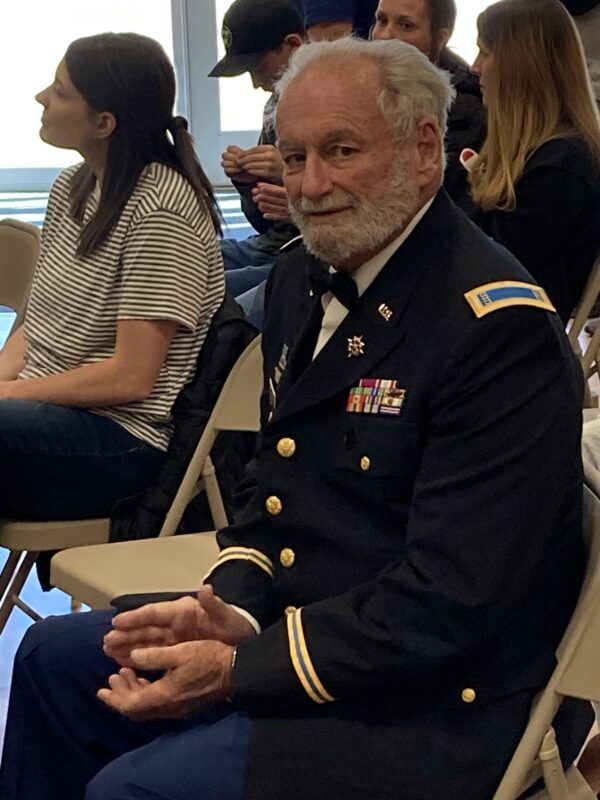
(542, 91)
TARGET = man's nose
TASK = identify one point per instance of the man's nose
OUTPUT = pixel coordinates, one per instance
(316, 180)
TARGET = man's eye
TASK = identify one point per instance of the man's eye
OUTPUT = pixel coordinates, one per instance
(345, 152)
(293, 160)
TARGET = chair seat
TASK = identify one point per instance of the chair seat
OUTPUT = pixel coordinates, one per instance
(35, 536)
(95, 575)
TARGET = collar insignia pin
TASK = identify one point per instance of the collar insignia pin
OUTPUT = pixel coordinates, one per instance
(386, 312)
(356, 346)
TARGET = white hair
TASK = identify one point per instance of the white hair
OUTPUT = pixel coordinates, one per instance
(411, 86)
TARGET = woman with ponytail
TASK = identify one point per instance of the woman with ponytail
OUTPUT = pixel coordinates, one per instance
(128, 280)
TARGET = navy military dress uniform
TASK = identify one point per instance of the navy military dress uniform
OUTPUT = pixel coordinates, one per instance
(412, 552)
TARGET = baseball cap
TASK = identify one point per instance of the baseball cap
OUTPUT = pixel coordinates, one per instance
(251, 28)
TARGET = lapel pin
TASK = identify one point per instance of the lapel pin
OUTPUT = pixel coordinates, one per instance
(386, 312)
(356, 346)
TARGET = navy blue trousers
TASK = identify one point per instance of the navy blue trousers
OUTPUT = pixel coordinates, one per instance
(62, 743)
(68, 463)
(246, 266)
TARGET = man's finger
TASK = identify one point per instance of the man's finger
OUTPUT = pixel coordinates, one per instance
(156, 657)
(152, 634)
(151, 614)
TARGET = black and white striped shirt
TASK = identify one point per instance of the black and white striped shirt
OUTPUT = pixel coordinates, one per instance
(161, 261)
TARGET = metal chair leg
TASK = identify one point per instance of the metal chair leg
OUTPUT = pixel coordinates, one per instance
(9, 570)
(76, 606)
(12, 595)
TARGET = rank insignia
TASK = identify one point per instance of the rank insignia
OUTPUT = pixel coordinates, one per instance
(356, 346)
(505, 294)
(376, 396)
(386, 312)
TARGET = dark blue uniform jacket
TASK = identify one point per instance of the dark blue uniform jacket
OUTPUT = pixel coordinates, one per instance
(413, 566)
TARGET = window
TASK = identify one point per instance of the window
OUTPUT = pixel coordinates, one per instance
(29, 54)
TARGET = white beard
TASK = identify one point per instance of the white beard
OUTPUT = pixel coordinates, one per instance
(365, 226)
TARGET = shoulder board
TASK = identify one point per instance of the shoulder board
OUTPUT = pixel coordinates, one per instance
(505, 294)
(291, 244)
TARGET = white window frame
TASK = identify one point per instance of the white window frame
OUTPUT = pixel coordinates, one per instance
(195, 54)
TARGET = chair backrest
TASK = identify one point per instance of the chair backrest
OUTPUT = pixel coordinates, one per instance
(19, 251)
(237, 409)
(577, 672)
(588, 298)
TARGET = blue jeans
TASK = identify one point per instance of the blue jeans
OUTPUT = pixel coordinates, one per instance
(245, 264)
(61, 739)
(253, 304)
(68, 463)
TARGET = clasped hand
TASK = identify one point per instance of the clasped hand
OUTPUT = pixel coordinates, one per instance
(247, 166)
(191, 640)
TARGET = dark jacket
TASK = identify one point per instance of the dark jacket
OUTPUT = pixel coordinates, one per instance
(467, 123)
(412, 572)
(228, 335)
(554, 230)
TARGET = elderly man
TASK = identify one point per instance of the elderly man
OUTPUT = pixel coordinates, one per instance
(383, 614)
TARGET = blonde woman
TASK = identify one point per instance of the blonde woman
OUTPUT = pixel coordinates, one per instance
(536, 182)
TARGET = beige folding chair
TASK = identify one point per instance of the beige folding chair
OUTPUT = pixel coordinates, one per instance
(590, 364)
(588, 298)
(237, 409)
(577, 674)
(19, 251)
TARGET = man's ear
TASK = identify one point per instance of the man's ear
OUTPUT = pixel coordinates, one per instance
(106, 124)
(293, 40)
(428, 146)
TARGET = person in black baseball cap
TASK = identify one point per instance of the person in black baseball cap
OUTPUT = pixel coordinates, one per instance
(259, 38)
(251, 30)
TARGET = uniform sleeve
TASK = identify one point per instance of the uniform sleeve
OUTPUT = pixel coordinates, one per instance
(166, 270)
(500, 461)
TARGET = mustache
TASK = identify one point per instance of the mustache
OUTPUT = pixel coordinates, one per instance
(336, 201)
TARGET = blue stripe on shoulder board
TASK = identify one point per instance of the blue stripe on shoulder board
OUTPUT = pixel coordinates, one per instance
(506, 294)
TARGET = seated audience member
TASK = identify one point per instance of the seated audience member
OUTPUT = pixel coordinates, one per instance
(330, 19)
(259, 37)
(397, 577)
(536, 181)
(128, 280)
(428, 25)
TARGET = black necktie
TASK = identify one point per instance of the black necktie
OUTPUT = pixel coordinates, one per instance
(340, 284)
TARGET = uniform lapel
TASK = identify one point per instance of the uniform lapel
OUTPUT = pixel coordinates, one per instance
(366, 335)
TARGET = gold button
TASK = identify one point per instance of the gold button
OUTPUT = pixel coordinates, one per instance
(290, 610)
(468, 695)
(365, 463)
(274, 505)
(287, 557)
(286, 448)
